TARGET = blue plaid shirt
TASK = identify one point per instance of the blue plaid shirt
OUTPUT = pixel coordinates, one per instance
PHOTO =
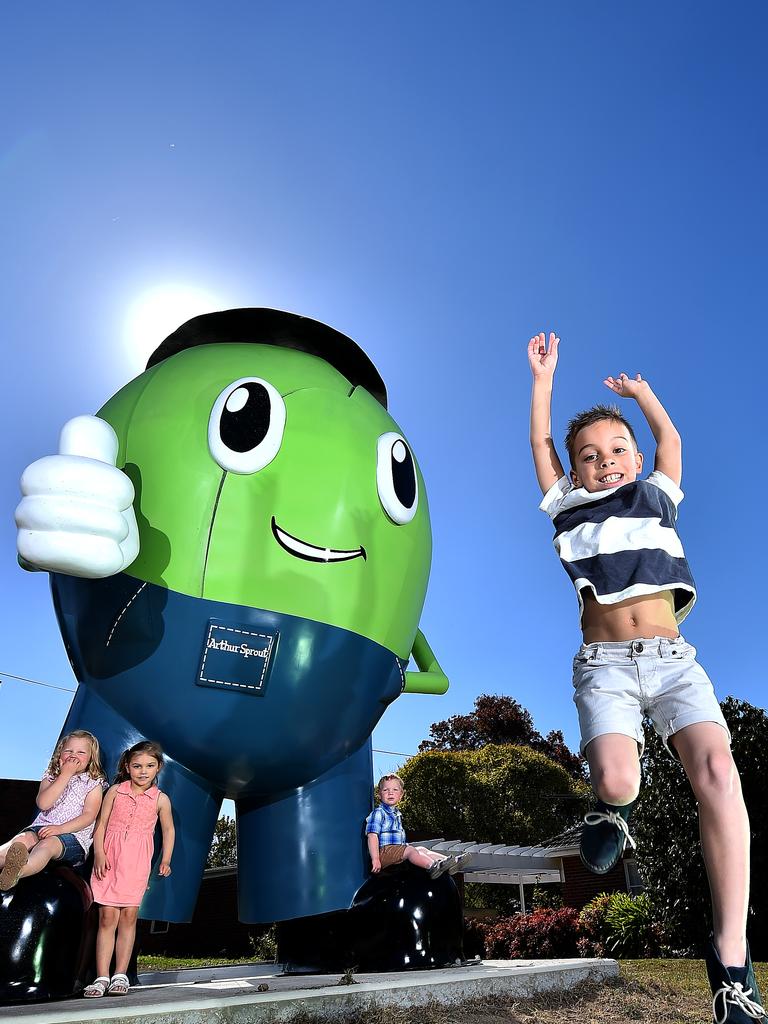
(387, 824)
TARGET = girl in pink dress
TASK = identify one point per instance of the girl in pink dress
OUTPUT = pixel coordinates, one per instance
(123, 844)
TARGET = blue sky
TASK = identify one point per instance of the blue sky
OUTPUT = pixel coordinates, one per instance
(438, 181)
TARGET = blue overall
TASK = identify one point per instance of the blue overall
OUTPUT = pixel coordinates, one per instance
(271, 710)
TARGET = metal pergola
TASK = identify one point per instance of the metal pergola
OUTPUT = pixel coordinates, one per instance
(503, 865)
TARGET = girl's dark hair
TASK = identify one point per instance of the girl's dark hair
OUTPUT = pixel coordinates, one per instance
(144, 747)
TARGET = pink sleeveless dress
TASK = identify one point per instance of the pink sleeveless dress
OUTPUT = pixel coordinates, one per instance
(128, 843)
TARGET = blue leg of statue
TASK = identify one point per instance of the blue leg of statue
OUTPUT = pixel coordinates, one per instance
(303, 853)
(195, 803)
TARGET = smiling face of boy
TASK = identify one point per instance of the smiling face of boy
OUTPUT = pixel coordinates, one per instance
(391, 792)
(604, 456)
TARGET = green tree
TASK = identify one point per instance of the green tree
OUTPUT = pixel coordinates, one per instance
(666, 830)
(499, 719)
(502, 793)
(224, 846)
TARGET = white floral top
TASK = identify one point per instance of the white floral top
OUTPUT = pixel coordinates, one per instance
(70, 806)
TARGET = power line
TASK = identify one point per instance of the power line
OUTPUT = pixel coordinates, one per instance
(52, 686)
(34, 682)
(376, 750)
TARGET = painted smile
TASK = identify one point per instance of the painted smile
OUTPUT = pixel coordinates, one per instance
(310, 552)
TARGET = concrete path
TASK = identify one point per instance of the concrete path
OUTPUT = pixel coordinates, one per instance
(259, 992)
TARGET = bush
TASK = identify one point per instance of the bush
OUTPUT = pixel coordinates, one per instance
(632, 931)
(547, 899)
(619, 925)
(499, 794)
(593, 940)
(544, 934)
(264, 944)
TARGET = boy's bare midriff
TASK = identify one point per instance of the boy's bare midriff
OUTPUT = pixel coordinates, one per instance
(652, 615)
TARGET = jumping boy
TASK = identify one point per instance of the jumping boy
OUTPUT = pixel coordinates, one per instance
(386, 836)
(616, 537)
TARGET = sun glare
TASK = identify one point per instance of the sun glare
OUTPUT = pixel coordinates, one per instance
(155, 313)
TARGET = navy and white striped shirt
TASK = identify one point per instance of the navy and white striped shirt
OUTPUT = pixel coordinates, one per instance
(387, 824)
(622, 542)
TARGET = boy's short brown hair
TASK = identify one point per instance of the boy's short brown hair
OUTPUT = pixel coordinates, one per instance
(388, 778)
(594, 415)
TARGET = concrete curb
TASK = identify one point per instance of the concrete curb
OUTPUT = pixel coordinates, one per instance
(220, 999)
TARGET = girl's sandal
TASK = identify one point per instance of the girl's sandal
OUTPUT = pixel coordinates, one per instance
(119, 985)
(96, 989)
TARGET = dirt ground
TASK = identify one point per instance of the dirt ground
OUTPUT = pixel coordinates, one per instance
(654, 992)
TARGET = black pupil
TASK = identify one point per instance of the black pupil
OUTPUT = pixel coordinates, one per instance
(403, 475)
(245, 429)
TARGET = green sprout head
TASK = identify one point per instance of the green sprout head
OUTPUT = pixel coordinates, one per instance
(269, 473)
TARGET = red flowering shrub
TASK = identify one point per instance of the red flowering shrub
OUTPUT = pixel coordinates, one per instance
(544, 934)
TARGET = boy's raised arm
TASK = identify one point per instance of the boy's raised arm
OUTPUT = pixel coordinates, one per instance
(669, 446)
(543, 361)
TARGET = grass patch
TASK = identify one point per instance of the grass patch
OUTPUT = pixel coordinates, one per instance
(177, 963)
(689, 976)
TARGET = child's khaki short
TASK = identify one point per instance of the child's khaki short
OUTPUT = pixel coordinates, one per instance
(617, 684)
(389, 855)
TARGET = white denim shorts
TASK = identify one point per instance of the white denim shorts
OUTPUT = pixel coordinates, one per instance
(616, 685)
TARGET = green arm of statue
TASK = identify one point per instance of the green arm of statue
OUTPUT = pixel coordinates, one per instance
(430, 678)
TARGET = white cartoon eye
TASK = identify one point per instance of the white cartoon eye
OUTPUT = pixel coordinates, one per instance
(246, 425)
(396, 478)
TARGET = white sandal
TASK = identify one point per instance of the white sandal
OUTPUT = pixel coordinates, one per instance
(96, 989)
(119, 985)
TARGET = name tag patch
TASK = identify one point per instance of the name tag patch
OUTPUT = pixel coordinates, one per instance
(236, 657)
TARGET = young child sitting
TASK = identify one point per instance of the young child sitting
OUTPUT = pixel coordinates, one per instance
(386, 837)
(68, 800)
(616, 537)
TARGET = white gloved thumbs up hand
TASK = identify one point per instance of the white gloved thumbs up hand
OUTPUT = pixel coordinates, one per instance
(76, 514)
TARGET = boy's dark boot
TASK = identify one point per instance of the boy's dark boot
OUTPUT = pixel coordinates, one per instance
(604, 835)
(735, 995)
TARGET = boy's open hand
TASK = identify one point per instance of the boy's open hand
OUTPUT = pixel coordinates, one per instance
(625, 386)
(543, 361)
(375, 865)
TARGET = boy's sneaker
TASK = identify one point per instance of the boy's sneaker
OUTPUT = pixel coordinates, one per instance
(440, 867)
(15, 859)
(735, 995)
(459, 863)
(604, 836)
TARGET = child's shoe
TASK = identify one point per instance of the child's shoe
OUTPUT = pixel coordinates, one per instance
(604, 836)
(15, 859)
(459, 863)
(735, 995)
(440, 867)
